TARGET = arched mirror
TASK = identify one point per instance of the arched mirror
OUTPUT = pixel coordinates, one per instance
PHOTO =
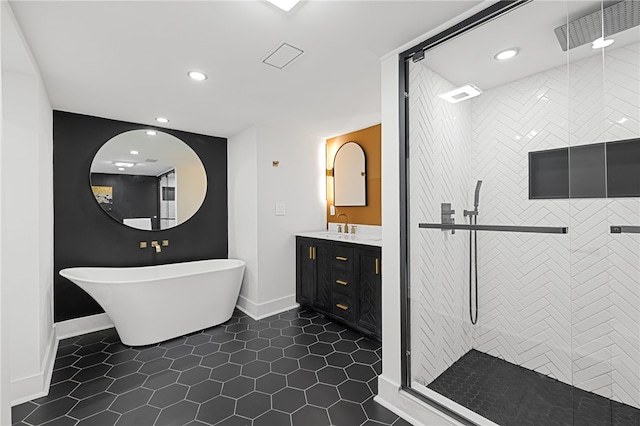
(148, 180)
(349, 176)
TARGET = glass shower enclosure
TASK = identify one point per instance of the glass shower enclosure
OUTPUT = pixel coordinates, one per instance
(521, 210)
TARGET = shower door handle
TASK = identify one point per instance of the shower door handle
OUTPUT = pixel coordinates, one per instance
(623, 229)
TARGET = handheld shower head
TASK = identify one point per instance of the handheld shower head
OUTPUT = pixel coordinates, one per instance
(477, 196)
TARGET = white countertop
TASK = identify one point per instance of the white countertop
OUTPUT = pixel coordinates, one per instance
(365, 239)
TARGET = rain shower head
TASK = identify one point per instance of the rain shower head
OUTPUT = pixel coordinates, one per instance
(476, 199)
(614, 19)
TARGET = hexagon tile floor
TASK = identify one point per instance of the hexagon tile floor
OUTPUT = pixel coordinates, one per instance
(511, 395)
(295, 368)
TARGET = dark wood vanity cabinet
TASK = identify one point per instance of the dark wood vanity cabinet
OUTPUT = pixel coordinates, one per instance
(341, 281)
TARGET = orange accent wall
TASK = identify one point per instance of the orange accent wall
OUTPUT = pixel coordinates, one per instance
(370, 139)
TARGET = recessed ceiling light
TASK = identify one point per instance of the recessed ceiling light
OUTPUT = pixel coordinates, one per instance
(197, 75)
(134, 152)
(162, 120)
(507, 54)
(601, 42)
(285, 5)
(123, 164)
(121, 169)
(461, 94)
(151, 132)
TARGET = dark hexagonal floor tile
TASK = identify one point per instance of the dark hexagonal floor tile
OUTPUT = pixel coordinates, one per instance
(350, 335)
(173, 343)
(280, 324)
(258, 325)
(169, 395)
(154, 366)
(302, 379)
(68, 372)
(178, 414)
(354, 391)
(296, 351)
(244, 356)
(204, 391)
(91, 387)
(345, 346)
(253, 405)
(225, 372)
(231, 421)
(336, 328)
(222, 337)
(178, 352)
(365, 356)
(284, 365)
(238, 327)
(312, 416)
(51, 410)
(300, 322)
(232, 346)
(328, 337)
(197, 339)
(256, 369)
(247, 335)
(206, 349)
(360, 372)
(85, 374)
(149, 354)
(186, 362)
(120, 357)
(331, 375)
(92, 348)
(143, 416)
(273, 418)
(55, 391)
(365, 343)
(271, 383)
(345, 413)
(270, 354)
(291, 331)
(125, 369)
(103, 418)
(312, 362)
(215, 360)
(269, 333)
(238, 387)
(282, 341)
(257, 344)
(92, 359)
(194, 375)
(288, 400)
(131, 400)
(377, 412)
(339, 359)
(305, 339)
(65, 361)
(92, 405)
(313, 329)
(127, 383)
(161, 379)
(215, 410)
(322, 395)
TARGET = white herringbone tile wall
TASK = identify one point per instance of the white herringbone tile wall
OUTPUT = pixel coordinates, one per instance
(440, 170)
(567, 306)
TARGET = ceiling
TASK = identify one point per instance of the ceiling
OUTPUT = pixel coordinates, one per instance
(128, 60)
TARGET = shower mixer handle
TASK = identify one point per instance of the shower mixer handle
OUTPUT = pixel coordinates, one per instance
(446, 215)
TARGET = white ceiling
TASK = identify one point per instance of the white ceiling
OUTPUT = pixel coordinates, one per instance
(128, 60)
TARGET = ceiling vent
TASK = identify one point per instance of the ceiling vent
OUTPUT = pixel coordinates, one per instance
(618, 17)
(282, 56)
(150, 160)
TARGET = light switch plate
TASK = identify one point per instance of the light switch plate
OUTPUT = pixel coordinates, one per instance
(280, 209)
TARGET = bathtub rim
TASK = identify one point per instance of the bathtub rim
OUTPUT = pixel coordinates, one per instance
(65, 271)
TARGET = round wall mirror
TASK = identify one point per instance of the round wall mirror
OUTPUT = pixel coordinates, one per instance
(147, 179)
(349, 176)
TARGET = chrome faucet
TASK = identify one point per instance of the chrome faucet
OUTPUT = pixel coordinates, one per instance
(157, 246)
(346, 224)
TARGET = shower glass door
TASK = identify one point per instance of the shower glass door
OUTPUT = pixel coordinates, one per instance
(527, 326)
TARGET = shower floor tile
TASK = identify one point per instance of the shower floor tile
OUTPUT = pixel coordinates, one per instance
(510, 395)
(295, 368)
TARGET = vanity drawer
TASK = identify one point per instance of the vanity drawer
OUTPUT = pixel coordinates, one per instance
(342, 281)
(342, 258)
(343, 306)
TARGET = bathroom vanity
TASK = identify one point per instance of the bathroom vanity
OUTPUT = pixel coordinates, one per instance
(339, 275)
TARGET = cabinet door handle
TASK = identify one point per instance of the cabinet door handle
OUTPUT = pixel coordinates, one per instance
(377, 266)
(314, 253)
(344, 259)
(342, 282)
(310, 252)
(343, 307)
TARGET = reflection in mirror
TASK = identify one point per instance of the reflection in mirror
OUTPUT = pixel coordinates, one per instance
(349, 176)
(148, 180)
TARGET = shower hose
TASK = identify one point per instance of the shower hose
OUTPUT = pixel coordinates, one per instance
(473, 259)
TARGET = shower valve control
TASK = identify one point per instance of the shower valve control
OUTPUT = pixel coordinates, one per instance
(446, 215)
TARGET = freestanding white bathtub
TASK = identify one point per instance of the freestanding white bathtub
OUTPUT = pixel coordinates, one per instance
(151, 304)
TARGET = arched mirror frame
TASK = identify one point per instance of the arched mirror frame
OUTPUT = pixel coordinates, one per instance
(187, 160)
(350, 179)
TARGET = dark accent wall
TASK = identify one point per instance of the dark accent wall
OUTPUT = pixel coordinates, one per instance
(133, 196)
(85, 235)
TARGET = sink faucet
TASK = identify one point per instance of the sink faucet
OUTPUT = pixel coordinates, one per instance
(157, 246)
(346, 220)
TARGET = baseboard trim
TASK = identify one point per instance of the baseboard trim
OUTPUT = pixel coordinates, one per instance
(410, 408)
(37, 385)
(258, 311)
(83, 325)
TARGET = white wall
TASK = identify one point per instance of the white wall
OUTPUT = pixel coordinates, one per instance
(27, 216)
(256, 234)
